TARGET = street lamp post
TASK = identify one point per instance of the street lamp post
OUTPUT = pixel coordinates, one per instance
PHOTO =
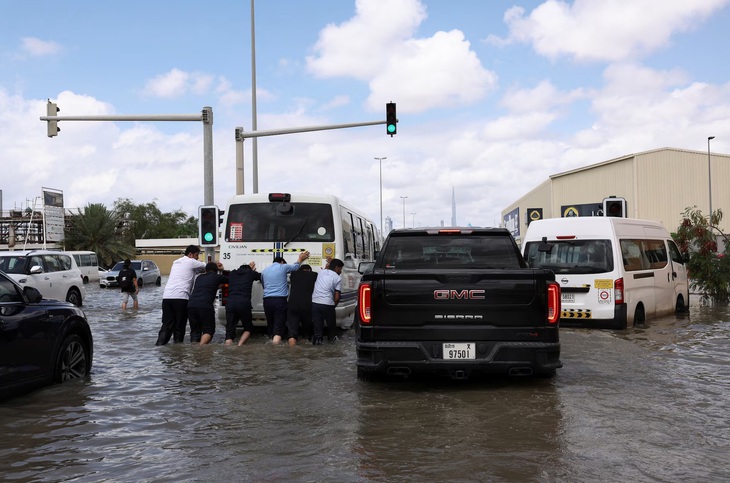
(404, 210)
(709, 175)
(381, 193)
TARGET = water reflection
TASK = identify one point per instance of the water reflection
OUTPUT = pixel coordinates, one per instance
(648, 403)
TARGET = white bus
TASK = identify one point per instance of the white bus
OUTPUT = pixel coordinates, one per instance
(613, 272)
(259, 227)
(88, 264)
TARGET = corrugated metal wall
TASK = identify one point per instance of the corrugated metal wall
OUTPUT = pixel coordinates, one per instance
(657, 185)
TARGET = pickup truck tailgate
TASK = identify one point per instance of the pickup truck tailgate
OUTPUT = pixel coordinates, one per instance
(479, 297)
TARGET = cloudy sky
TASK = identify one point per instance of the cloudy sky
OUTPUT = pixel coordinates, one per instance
(492, 96)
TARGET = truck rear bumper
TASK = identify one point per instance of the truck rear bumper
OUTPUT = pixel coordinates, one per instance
(510, 358)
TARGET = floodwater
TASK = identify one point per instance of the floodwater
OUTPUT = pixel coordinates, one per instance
(649, 404)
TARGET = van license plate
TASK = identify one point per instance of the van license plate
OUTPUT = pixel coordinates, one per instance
(568, 298)
(459, 351)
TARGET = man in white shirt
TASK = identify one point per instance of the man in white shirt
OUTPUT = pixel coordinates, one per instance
(325, 297)
(176, 294)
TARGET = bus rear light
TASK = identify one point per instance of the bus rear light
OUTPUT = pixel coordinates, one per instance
(553, 292)
(565, 237)
(363, 302)
(282, 197)
(618, 291)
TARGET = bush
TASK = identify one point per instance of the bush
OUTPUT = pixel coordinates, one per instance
(709, 271)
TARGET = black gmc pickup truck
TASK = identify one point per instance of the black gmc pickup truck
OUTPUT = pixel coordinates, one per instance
(456, 302)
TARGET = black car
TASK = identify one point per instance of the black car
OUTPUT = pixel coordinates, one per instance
(41, 341)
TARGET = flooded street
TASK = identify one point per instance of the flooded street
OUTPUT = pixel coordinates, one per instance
(647, 404)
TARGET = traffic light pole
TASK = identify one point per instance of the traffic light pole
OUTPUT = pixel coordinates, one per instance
(206, 116)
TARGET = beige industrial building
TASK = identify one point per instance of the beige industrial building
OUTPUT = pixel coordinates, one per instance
(657, 185)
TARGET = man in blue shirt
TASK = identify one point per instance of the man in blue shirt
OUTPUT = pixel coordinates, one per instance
(276, 290)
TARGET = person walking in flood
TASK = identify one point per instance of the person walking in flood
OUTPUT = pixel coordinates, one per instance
(127, 280)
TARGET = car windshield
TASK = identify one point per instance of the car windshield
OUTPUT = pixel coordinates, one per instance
(136, 266)
(13, 264)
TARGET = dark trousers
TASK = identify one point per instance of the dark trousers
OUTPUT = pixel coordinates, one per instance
(275, 310)
(174, 321)
(202, 321)
(320, 314)
(296, 317)
(235, 311)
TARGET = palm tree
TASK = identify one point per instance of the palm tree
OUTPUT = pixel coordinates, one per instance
(97, 229)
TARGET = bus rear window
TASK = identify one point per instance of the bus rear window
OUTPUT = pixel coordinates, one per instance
(263, 222)
(572, 256)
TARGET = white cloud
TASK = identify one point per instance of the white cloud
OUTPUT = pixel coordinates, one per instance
(609, 30)
(177, 83)
(37, 47)
(543, 96)
(377, 45)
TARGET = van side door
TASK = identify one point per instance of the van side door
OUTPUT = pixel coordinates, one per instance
(679, 273)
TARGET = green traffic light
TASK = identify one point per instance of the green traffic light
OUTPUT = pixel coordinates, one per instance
(208, 237)
(391, 128)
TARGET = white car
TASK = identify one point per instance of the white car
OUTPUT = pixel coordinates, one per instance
(54, 273)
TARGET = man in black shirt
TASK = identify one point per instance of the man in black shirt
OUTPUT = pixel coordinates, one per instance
(299, 307)
(238, 306)
(201, 309)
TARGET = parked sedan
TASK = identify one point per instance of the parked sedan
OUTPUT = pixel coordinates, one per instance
(148, 273)
(41, 341)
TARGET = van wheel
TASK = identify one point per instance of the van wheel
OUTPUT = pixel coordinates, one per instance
(86, 280)
(74, 296)
(158, 282)
(73, 360)
(639, 315)
(680, 308)
(140, 282)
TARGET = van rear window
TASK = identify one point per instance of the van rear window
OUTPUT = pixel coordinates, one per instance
(572, 256)
(449, 252)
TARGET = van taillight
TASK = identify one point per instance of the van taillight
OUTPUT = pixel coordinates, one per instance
(553, 292)
(363, 302)
(618, 291)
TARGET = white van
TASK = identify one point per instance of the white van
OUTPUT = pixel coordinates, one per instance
(613, 272)
(88, 264)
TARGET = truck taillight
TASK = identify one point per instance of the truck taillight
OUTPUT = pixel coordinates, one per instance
(618, 291)
(363, 302)
(553, 292)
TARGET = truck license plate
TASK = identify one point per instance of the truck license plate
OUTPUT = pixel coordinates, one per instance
(459, 351)
(568, 298)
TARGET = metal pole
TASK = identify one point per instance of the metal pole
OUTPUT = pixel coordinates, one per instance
(404, 210)
(709, 175)
(254, 127)
(414, 219)
(381, 193)
(240, 187)
(208, 192)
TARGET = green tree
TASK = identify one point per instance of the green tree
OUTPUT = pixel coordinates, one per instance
(709, 271)
(147, 221)
(97, 229)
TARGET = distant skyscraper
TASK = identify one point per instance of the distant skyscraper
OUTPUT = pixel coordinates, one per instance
(388, 225)
(453, 207)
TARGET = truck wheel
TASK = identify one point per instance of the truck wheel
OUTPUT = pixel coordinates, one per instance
(363, 375)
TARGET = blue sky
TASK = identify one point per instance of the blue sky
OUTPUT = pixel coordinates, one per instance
(492, 96)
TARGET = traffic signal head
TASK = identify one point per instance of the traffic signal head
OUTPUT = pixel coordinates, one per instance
(614, 207)
(52, 110)
(208, 226)
(391, 120)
